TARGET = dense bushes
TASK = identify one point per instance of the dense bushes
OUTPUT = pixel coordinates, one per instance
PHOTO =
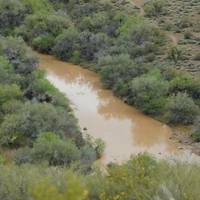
(154, 8)
(91, 44)
(114, 69)
(126, 50)
(40, 30)
(19, 55)
(102, 34)
(49, 147)
(143, 40)
(65, 44)
(148, 93)
(39, 183)
(181, 109)
(12, 13)
(30, 105)
(142, 177)
(34, 119)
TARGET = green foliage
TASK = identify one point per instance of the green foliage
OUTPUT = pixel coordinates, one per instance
(7, 73)
(39, 183)
(149, 93)
(50, 148)
(155, 8)
(43, 43)
(12, 13)
(136, 179)
(18, 54)
(56, 151)
(181, 109)
(122, 44)
(95, 23)
(143, 40)
(65, 44)
(9, 92)
(38, 6)
(34, 119)
(176, 53)
(40, 30)
(46, 190)
(184, 82)
(90, 44)
(99, 147)
(97, 144)
(117, 68)
(142, 178)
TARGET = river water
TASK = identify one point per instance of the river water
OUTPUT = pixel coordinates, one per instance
(125, 130)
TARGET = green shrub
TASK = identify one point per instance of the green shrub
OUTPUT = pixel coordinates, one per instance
(176, 54)
(41, 90)
(66, 44)
(12, 13)
(136, 179)
(9, 92)
(184, 82)
(38, 6)
(181, 109)
(7, 73)
(33, 119)
(97, 144)
(148, 93)
(142, 39)
(40, 183)
(40, 30)
(71, 188)
(18, 54)
(90, 44)
(56, 151)
(49, 147)
(117, 68)
(43, 43)
(155, 8)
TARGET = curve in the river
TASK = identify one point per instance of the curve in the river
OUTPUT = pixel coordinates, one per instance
(125, 130)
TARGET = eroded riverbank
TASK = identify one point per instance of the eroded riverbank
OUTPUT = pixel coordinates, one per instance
(125, 130)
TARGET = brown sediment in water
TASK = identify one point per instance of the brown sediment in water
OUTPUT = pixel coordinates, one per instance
(125, 130)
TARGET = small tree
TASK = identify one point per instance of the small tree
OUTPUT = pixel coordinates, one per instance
(176, 54)
(155, 8)
(181, 109)
(148, 93)
(66, 44)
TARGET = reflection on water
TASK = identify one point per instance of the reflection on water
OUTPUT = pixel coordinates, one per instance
(125, 130)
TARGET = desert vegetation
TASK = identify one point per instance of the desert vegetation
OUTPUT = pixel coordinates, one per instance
(49, 158)
(129, 51)
(142, 177)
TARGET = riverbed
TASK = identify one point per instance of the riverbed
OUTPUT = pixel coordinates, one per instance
(125, 130)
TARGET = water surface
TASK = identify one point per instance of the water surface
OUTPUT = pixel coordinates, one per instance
(124, 129)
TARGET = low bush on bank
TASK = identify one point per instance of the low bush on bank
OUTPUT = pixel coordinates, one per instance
(181, 109)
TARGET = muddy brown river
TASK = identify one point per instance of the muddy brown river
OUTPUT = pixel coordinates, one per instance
(124, 129)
